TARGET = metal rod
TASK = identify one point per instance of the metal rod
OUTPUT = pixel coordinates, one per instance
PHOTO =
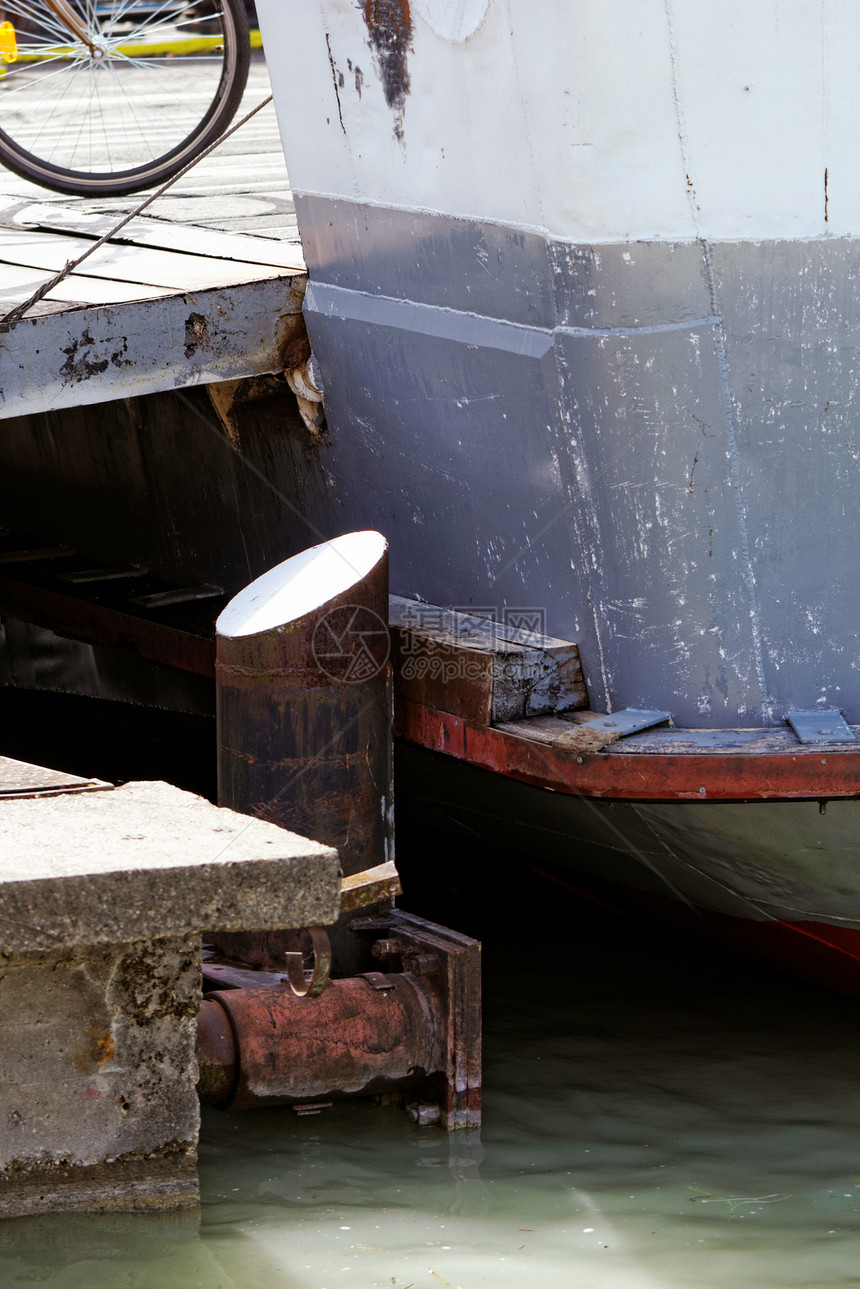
(357, 1037)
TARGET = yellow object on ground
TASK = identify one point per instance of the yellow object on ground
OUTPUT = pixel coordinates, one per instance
(8, 43)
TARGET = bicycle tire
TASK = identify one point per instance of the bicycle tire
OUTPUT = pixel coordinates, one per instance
(84, 124)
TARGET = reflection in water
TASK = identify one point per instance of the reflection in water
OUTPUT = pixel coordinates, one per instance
(655, 1115)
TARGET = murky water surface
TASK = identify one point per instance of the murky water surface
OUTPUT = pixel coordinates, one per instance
(655, 1115)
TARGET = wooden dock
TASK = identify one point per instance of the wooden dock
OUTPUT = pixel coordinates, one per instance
(206, 286)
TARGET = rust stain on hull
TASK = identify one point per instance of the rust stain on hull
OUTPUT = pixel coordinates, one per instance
(389, 24)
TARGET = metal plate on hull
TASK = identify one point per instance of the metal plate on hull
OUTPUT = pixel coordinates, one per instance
(629, 721)
(820, 727)
(619, 459)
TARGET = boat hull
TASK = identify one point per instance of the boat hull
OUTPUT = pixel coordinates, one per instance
(582, 289)
(777, 879)
(582, 294)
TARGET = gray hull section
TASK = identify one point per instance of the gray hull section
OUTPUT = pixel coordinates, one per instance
(655, 444)
(764, 861)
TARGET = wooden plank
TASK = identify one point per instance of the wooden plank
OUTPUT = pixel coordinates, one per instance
(481, 670)
(556, 732)
(154, 233)
(94, 354)
(441, 674)
(18, 283)
(125, 263)
(564, 731)
(102, 625)
(369, 887)
(36, 554)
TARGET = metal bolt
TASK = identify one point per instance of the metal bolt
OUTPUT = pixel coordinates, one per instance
(424, 1114)
(387, 949)
(421, 964)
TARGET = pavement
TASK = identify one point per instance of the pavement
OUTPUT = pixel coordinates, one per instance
(242, 187)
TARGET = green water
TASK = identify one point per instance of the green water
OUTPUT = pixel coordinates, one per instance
(654, 1115)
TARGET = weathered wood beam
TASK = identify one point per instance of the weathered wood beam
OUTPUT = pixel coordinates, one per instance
(482, 670)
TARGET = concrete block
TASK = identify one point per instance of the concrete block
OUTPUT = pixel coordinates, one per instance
(103, 897)
(97, 1103)
(147, 859)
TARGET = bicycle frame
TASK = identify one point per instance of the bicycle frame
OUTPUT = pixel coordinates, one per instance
(63, 10)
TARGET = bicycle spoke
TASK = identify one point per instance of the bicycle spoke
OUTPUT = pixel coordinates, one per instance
(209, 11)
(38, 14)
(58, 105)
(122, 90)
(146, 125)
(67, 66)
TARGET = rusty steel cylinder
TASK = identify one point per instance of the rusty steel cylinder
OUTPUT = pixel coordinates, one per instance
(216, 1054)
(354, 1038)
(304, 699)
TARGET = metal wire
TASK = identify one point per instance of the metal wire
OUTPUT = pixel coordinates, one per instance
(14, 316)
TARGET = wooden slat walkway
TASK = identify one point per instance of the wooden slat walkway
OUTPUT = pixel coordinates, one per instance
(200, 288)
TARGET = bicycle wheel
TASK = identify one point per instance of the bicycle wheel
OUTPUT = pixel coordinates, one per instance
(153, 84)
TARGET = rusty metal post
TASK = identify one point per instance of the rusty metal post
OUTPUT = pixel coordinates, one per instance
(305, 714)
(304, 699)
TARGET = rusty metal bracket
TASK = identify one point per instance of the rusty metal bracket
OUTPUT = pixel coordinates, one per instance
(379, 979)
(310, 983)
(415, 1027)
(451, 963)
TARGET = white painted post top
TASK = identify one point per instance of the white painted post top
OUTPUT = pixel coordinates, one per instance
(301, 584)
